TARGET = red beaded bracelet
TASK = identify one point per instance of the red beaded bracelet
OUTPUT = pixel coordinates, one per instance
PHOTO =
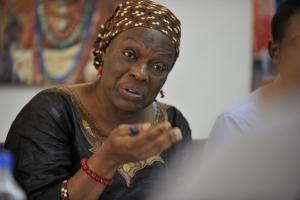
(93, 175)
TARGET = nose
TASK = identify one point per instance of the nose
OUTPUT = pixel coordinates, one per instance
(139, 72)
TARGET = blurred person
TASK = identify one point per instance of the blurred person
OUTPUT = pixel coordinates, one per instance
(264, 164)
(284, 50)
(110, 138)
(253, 150)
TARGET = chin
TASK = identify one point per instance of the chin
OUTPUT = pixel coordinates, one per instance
(130, 106)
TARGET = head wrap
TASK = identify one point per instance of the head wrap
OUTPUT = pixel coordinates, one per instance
(137, 13)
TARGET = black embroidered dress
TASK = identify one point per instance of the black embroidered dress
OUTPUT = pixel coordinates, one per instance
(53, 132)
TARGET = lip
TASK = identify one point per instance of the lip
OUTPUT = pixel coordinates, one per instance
(131, 93)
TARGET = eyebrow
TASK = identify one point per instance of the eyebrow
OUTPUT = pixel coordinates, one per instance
(163, 52)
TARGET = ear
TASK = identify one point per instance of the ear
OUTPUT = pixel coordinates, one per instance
(274, 51)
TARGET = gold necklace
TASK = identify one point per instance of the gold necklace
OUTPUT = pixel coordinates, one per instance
(158, 114)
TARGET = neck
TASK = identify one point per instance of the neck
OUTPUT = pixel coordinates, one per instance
(280, 86)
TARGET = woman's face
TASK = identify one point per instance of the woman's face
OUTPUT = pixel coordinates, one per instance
(136, 65)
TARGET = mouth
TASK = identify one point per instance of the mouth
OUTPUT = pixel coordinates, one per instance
(131, 94)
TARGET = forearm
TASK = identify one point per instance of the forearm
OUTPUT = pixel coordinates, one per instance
(82, 186)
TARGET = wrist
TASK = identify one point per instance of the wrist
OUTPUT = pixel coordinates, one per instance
(94, 175)
(101, 163)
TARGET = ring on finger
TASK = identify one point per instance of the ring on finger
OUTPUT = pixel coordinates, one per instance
(132, 131)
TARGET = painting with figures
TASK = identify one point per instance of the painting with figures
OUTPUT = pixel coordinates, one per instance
(46, 42)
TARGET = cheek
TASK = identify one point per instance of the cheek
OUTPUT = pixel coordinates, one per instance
(157, 84)
(292, 58)
(291, 53)
(114, 66)
(290, 62)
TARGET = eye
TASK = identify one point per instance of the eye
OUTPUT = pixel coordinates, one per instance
(130, 54)
(159, 68)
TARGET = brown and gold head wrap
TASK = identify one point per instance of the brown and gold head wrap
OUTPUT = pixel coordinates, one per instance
(137, 13)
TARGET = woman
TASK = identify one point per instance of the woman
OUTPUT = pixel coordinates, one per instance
(110, 138)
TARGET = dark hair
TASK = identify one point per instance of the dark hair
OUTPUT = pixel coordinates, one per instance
(280, 20)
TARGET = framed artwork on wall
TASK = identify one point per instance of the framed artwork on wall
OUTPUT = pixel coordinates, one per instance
(46, 42)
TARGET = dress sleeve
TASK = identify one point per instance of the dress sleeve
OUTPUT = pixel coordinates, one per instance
(40, 140)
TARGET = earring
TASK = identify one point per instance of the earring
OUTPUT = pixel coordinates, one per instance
(100, 70)
(162, 94)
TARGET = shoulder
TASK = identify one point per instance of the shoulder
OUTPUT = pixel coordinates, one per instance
(45, 117)
(235, 121)
(244, 110)
(55, 93)
(174, 115)
(56, 97)
(180, 150)
(48, 106)
(176, 118)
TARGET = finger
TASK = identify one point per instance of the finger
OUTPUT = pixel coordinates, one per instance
(127, 130)
(155, 131)
(175, 135)
(151, 134)
(164, 142)
(122, 137)
(138, 128)
(160, 144)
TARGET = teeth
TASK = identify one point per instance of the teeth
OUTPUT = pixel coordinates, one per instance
(129, 90)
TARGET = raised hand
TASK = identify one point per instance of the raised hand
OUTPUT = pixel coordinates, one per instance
(122, 147)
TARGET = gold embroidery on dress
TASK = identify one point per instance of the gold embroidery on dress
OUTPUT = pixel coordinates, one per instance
(94, 138)
(88, 126)
(128, 170)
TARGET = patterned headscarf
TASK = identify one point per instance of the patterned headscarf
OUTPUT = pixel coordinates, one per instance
(137, 13)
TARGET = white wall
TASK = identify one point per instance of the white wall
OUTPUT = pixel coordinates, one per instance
(213, 70)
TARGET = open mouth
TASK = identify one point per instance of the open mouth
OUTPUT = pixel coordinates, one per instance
(131, 91)
(131, 94)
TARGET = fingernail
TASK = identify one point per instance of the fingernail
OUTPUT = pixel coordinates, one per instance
(178, 134)
(167, 124)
